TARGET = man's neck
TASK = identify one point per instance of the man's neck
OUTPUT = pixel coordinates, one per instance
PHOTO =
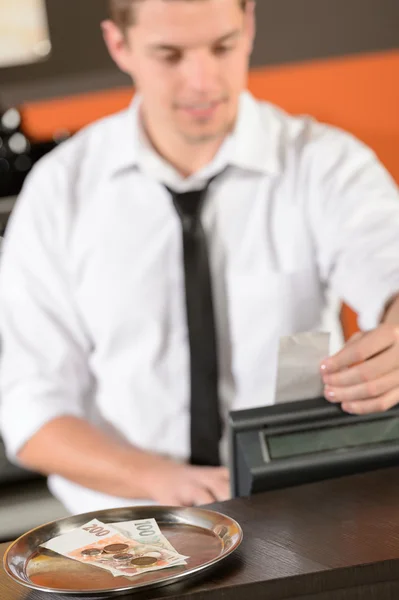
(187, 158)
(190, 158)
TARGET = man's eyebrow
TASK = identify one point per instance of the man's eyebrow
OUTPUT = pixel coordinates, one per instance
(228, 36)
(173, 48)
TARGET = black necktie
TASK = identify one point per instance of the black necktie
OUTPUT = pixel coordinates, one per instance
(206, 426)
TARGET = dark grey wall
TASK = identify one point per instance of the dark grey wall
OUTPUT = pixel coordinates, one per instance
(288, 31)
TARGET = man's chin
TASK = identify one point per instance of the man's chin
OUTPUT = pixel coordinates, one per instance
(205, 135)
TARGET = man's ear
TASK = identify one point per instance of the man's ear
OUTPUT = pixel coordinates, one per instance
(117, 45)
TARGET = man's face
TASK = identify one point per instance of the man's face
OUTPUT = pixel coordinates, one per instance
(189, 61)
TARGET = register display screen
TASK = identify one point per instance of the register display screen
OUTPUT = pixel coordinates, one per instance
(288, 445)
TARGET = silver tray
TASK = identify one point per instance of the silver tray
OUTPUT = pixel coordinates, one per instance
(207, 537)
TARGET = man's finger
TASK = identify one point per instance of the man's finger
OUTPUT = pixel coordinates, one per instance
(364, 391)
(223, 473)
(361, 349)
(216, 472)
(193, 494)
(204, 496)
(356, 336)
(216, 481)
(374, 368)
(221, 490)
(374, 405)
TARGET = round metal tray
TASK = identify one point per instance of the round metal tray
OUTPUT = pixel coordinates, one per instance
(207, 537)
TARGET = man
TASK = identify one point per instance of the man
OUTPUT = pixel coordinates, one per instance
(109, 320)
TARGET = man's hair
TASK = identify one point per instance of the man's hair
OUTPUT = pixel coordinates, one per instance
(122, 14)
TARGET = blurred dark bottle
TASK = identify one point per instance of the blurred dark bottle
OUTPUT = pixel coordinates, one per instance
(18, 153)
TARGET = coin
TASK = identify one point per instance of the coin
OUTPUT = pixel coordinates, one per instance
(91, 552)
(123, 557)
(115, 548)
(143, 561)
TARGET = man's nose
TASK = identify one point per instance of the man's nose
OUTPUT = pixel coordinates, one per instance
(200, 72)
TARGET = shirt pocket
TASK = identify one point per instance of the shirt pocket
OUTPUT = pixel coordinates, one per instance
(265, 305)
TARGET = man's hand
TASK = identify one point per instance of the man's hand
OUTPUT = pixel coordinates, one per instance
(175, 484)
(78, 451)
(364, 375)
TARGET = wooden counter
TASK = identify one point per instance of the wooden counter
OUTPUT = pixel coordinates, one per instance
(337, 539)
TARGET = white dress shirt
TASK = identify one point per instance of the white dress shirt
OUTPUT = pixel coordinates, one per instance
(92, 281)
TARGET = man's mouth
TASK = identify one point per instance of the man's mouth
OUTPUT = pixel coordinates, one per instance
(201, 110)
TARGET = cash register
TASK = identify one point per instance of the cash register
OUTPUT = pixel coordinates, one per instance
(303, 441)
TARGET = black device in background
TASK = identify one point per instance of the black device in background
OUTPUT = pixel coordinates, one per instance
(309, 440)
(18, 153)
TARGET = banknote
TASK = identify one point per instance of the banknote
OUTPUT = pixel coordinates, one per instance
(145, 531)
(101, 545)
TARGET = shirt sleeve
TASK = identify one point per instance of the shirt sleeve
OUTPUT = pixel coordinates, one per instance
(355, 221)
(44, 372)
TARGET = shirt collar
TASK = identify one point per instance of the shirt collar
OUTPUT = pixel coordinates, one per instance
(256, 137)
(251, 146)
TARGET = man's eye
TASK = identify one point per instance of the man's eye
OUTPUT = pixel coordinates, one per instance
(171, 58)
(222, 49)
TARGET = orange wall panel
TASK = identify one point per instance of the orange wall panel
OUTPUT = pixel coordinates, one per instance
(360, 94)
